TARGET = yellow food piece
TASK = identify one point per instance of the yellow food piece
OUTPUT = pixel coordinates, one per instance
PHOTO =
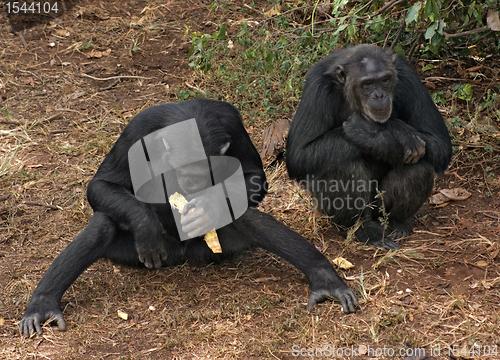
(178, 202)
(342, 263)
(122, 315)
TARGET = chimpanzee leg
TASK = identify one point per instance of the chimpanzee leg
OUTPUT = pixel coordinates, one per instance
(349, 195)
(89, 245)
(260, 229)
(346, 192)
(406, 189)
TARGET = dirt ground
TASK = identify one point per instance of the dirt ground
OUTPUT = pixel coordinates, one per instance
(70, 85)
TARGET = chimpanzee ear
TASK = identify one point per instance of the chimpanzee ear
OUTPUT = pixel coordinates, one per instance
(165, 143)
(224, 148)
(394, 58)
(340, 74)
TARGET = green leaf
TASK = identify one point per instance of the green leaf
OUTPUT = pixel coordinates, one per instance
(222, 32)
(351, 30)
(412, 13)
(431, 30)
(427, 67)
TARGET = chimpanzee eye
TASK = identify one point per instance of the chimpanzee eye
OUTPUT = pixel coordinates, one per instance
(366, 85)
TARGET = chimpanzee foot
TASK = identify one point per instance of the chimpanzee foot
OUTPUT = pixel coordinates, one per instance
(399, 230)
(384, 243)
(373, 233)
(36, 314)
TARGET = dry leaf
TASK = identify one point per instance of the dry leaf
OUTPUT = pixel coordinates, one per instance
(474, 68)
(342, 263)
(62, 32)
(482, 263)
(273, 11)
(274, 138)
(492, 20)
(98, 54)
(456, 194)
(495, 250)
(438, 199)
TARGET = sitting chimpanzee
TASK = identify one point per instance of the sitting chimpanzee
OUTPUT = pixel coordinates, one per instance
(138, 233)
(366, 125)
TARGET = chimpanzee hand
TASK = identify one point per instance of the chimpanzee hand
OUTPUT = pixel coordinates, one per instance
(40, 310)
(150, 241)
(327, 284)
(199, 216)
(414, 148)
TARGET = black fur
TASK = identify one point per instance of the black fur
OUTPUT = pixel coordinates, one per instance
(122, 226)
(333, 139)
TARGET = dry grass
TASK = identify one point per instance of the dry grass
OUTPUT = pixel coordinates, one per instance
(441, 289)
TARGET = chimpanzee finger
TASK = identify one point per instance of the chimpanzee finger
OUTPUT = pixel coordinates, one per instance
(30, 326)
(192, 216)
(59, 319)
(146, 261)
(408, 155)
(316, 298)
(197, 228)
(190, 205)
(157, 261)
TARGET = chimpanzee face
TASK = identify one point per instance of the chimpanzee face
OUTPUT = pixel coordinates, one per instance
(194, 177)
(374, 83)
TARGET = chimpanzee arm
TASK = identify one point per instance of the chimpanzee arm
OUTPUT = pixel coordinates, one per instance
(133, 215)
(243, 149)
(414, 106)
(261, 229)
(394, 141)
(89, 246)
(316, 142)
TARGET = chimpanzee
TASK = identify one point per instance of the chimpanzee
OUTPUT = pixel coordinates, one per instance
(137, 233)
(366, 129)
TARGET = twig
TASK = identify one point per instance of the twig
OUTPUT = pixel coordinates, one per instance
(131, 48)
(387, 7)
(109, 87)
(4, 197)
(90, 71)
(398, 34)
(497, 218)
(195, 88)
(115, 77)
(7, 122)
(465, 33)
(483, 37)
(368, 4)
(54, 117)
(430, 78)
(41, 203)
(55, 132)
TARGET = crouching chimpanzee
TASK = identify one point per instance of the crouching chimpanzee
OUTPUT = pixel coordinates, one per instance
(145, 233)
(367, 125)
